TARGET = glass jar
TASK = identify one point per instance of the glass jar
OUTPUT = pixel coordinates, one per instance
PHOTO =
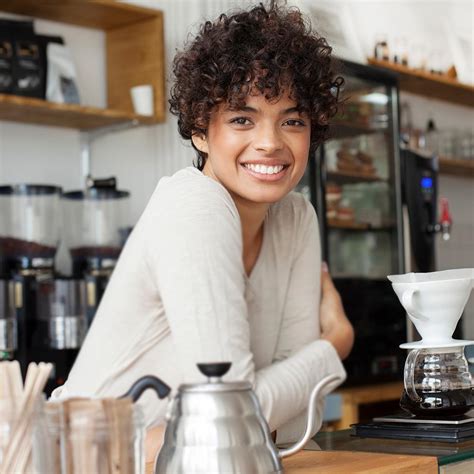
(437, 383)
(96, 226)
(89, 435)
(29, 228)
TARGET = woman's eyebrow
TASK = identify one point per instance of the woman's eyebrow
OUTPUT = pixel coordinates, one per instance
(243, 108)
(247, 108)
(290, 110)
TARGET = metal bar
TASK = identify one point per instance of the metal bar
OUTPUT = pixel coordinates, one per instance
(87, 137)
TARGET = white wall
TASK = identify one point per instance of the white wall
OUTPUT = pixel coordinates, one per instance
(140, 157)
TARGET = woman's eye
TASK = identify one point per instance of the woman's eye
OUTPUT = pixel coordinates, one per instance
(240, 121)
(295, 123)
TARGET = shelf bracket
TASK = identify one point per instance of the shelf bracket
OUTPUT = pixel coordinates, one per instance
(88, 136)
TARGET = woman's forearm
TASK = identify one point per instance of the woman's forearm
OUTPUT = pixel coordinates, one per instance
(341, 337)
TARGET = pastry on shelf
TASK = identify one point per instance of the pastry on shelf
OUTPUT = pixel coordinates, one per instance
(366, 163)
(345, 214)
(368, 170)
(346, 161)
(348, 168)
(364, 158)
(333, 194)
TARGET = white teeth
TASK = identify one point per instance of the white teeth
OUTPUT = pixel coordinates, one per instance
(263, 169)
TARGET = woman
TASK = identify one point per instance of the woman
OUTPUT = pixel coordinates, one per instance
(224, 264)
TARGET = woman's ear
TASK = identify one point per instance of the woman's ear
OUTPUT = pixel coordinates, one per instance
(200, 142)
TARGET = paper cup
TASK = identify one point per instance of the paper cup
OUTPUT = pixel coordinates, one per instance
(142, 98)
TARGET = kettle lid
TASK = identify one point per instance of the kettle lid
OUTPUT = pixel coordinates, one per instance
(214, 372)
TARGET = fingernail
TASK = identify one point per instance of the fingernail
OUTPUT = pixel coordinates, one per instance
(324, 267)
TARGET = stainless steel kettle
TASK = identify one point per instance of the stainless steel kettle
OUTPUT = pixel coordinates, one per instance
(218, 427)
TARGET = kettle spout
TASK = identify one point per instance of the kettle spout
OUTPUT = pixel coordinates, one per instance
(283, 453)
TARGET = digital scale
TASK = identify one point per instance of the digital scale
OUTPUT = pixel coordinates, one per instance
(409, 427)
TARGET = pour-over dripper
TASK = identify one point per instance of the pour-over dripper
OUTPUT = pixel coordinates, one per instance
(434, 303)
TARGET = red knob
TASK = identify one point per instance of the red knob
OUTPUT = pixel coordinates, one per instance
(445, 214)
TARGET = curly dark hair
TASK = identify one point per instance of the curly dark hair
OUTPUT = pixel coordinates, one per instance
(263, 50)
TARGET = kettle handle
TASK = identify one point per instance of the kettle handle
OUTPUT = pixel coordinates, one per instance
(143, 383)
(283, 453)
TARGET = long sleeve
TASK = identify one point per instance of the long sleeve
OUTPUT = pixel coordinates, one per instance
(195, 258)
(300, 323)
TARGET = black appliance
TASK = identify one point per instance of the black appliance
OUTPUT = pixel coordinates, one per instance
(353, 180)
(96, 227)
(8, 325)
(29, 237)
(420, 198)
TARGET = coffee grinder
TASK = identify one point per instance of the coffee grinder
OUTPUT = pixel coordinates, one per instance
(8, 329)
(28, 241)
(96, 227)
(438, 391)
(62, 324)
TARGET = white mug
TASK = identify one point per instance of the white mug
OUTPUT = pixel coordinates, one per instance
(142, 99)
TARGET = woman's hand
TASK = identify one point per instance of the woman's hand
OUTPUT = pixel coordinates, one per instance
(335, 327)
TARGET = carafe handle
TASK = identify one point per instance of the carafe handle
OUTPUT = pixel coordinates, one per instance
(409, 376)
(143, 383)
(409, 304)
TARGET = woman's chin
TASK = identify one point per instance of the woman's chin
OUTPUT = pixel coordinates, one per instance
(265, 196)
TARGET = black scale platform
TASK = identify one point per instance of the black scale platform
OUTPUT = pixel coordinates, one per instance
(408, 427)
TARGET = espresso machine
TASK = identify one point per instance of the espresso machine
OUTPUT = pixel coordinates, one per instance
(96, 228)
(29, 237)
(420, 200)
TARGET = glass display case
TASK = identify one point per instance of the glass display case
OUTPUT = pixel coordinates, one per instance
(354, 183)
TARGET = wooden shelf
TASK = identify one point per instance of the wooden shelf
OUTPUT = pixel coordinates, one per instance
(429, 85)
(135, 55)
(342, 129)
(353, 177)
(456, 167)
(100, 14)
(364, 226)
(41, 112)
(350, 225)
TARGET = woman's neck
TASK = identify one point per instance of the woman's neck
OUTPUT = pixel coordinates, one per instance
(252, 216)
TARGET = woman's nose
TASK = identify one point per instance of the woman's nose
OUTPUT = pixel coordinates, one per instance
(268, 139)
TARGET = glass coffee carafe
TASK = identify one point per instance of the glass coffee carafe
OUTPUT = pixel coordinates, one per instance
(437, 383)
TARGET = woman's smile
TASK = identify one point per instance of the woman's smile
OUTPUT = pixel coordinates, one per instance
(266, 172)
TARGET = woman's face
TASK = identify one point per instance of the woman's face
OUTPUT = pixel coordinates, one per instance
(258, 153)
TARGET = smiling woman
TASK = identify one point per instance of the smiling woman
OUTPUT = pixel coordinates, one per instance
(224, 264)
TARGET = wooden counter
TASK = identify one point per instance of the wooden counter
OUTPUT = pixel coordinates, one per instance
(306, 462)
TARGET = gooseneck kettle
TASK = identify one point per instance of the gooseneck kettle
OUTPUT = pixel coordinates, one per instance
(218, 427)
